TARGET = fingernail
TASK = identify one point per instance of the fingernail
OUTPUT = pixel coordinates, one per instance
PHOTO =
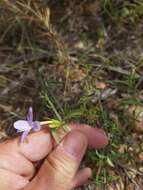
(75, 143)
(102, 132)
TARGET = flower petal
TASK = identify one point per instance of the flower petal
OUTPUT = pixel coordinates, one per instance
(22, 125)
(30, 114)
(36, 126)
(24, 135)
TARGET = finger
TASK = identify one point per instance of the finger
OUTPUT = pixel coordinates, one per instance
(39, 144)
(18, 164)
(18, 158)
(96, 137)
(82, 177)
(60, 167)
(11, 181)
(36, 147)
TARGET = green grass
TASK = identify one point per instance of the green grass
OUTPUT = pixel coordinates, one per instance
(122, 10)
(84, 111)
(62, 80)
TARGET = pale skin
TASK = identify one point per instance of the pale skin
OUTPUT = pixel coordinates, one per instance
(59, 169)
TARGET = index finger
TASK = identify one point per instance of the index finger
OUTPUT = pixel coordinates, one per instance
(39, 144)
(96, 137)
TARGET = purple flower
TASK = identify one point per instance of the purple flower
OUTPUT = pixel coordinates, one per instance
(25, 126)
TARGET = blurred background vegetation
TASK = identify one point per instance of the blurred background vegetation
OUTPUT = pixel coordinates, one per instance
(81, 61)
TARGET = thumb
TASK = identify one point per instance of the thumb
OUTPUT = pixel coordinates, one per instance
(60, 167)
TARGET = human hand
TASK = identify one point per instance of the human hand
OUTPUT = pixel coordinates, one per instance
(60, 167)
